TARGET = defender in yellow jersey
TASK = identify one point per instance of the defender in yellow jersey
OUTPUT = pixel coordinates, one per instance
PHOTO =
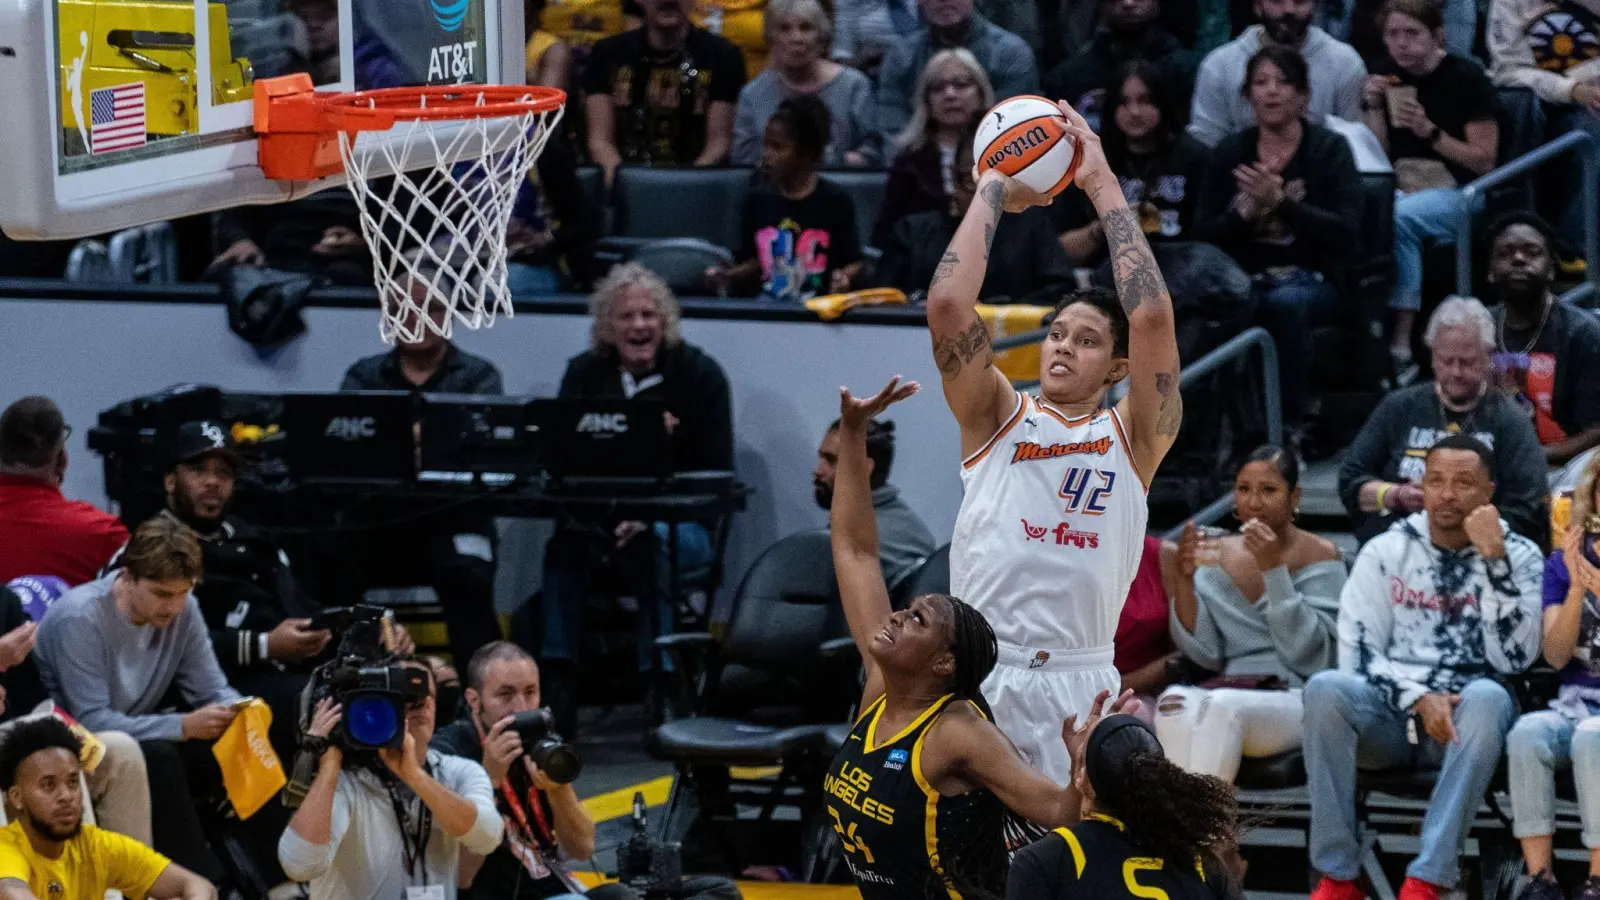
(918, 793)
(1150, 830)
(49, 854)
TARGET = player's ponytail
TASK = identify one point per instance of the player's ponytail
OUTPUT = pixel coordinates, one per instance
(1176, 815)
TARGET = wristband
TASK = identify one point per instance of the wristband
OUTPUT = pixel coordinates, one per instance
(1383, 490)
(261, 646)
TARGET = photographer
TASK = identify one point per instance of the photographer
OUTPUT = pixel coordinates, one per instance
(420, 809)
(546, 824)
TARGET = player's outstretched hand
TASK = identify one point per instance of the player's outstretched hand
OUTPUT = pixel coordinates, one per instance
(1094, 173)
(1077, 738)
(854, 413)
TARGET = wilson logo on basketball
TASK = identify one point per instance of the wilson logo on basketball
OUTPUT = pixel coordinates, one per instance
(1019, 147)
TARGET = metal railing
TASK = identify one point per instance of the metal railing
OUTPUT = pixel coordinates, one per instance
(1579, 142)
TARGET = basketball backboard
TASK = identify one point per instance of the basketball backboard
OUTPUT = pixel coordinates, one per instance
(122, 112)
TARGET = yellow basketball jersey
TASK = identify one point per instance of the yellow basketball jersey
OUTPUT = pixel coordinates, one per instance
(743, 23)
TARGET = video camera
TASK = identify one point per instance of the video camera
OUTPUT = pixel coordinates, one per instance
(556, 758)
(362, 679)
(652, 867)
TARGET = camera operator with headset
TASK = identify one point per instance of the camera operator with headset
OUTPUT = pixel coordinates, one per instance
(546, 824)
(418, 808)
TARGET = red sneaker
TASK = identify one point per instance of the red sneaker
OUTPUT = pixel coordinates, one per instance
(1334, 889)
(1417, 889)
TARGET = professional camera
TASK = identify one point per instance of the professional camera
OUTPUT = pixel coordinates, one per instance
(651, 867)
(373, 693)
(556, 758)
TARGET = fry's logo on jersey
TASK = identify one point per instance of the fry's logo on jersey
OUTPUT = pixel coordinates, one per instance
(1064, 534)
(1028, 451)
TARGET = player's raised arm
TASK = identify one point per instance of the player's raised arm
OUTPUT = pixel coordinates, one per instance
(975, 390)
(1153, 408)
(853, 527)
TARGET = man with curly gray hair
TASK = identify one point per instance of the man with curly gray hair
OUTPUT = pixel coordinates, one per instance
(636, 352)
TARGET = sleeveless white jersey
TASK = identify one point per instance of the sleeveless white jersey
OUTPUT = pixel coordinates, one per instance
(1051, 528)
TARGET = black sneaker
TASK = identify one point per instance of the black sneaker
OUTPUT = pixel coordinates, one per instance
(1542, 887)
(1591, 889)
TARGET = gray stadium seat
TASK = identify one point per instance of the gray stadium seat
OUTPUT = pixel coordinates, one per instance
(667, 203)
(866, 192)
(682, 262)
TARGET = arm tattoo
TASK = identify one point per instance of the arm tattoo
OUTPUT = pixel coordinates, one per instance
(951, 353)
(946, 268)
(1134, 266)
(1171, 410)
(994, 195)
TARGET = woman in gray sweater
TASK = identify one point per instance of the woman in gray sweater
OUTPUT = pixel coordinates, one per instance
(799, 33)
(1260, 608)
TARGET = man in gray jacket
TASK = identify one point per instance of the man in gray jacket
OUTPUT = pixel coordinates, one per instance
(110, 650)
(1337, 72)
(1005, 58)
(903, 539)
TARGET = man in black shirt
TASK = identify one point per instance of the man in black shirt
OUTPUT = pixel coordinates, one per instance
(637, 354)
(453, 552)
(546, 824)
(1129, 30)
(257, 613)
(1548, 350)
(662, 94)
(1435, 113)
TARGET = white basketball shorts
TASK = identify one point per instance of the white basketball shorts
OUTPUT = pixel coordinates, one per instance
(1033, 691)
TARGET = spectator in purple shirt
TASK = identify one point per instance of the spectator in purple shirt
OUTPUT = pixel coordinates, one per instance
(1568, 733)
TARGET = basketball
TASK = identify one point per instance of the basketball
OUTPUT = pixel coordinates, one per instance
(1026, 137)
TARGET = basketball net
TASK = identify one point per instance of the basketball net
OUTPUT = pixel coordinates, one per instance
(438, 234)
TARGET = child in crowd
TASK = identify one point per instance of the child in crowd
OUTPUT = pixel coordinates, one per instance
(799, 229)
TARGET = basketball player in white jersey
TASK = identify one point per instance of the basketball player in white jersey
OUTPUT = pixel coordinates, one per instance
(1052, 524)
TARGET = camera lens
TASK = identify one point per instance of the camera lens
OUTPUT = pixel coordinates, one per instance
(558, 761)
(371, 721)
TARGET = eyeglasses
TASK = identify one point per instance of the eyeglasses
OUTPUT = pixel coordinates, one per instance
(66, 434)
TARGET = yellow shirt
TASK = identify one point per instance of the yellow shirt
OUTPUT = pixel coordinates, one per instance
(580, 23)
(91, 863)
(743, 23)
(541, 42)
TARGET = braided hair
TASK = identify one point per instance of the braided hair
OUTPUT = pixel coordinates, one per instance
(974, 647)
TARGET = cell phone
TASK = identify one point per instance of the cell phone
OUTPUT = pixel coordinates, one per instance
(242, 702)
(1395, 95)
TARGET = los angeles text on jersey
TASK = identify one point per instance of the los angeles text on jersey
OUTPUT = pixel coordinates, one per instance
(851, 786)
(1029, 451)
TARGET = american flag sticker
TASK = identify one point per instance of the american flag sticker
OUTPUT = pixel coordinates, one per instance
(116, 116)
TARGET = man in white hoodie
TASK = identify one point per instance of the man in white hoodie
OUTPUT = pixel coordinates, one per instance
(1435, 608)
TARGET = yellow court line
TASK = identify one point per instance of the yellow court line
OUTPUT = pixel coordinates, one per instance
(619, 803)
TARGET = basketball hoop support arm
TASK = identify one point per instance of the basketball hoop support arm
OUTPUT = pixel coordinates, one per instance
(296, 143)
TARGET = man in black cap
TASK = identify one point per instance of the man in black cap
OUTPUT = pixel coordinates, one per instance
(258, 615)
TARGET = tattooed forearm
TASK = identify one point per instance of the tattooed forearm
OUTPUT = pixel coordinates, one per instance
(1170, 416)
(1133, 265)
(947, 266)
(953, 352)
(994, 195)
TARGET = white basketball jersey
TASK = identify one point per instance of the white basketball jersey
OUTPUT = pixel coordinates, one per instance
(1051, 528)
